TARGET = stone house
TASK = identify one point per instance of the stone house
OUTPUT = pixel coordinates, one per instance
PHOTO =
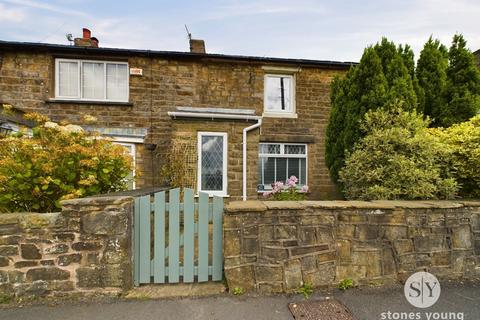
(236, 123)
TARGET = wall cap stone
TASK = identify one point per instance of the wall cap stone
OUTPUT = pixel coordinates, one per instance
(245, 206)
(343, 204)
(258, 205)
(280, 205)
(96, 200)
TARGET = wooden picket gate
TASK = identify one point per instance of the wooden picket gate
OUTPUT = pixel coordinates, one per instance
(172, 239)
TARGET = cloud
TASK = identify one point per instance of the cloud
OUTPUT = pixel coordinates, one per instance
(44, 6)
(11, 14)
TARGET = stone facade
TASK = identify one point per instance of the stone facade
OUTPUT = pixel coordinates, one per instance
(273, 247)
(85, 248)
(27, 82)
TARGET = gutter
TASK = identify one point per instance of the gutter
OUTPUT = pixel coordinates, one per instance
(212, 116)
(244, 162)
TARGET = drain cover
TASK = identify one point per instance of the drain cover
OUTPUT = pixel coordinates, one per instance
(325, 309)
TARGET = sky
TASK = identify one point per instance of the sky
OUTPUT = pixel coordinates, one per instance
(323, 30)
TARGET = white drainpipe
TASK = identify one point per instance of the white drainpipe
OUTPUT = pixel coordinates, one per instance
(244, 162)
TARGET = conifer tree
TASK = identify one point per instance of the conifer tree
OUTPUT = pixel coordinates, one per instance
(462, 91)
(383, 76)
(432, 77)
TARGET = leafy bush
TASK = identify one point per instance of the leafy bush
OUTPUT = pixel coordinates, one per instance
(397, 159)
(463, 142)
(306, 290)
(56, 163)
(345, 284)
(237, 291)
(288, 191)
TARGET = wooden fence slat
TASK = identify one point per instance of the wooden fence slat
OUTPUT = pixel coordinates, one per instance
(188, 235)
(144, 240)
(159, 238)
(174, 236)
(203, 237)
(217, 255)
(136, 237)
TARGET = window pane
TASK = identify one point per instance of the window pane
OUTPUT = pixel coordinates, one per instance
(303, 172)
(93, 80)
(269, 148)
(117, 82)
(274, 86)
(268, 171)
(281, 170)
(212, 163)
(294, 149)
(68, 79)
(293, 167)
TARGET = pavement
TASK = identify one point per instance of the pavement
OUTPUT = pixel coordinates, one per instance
(457, 301)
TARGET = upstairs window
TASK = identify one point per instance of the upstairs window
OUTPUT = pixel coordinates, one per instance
(91, 80)
(279, 96)
(280, 161)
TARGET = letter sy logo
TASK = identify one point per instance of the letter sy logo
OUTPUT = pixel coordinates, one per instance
(422, 289)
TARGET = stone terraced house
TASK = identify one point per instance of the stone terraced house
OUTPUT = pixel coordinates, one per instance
(238, 123)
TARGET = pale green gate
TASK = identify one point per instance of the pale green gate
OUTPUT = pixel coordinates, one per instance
(177, 242)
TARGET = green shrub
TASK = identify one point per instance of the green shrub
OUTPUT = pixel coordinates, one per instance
(57, 163)
(383, 76)
(397, 159)
(237, 291)
(463, 142)
(306, 290)
(345, 284)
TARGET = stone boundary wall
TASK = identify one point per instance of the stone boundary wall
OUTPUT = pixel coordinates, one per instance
(274, 247)
(87, 247)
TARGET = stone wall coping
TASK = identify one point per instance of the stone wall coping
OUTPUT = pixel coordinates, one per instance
(96, 200)
(258, 206)
(245, 206)
(29, 220)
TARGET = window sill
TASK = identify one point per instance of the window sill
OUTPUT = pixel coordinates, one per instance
(212, 195)
(279, 115)
(105, 103)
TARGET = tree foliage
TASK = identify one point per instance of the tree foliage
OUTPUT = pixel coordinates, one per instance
(397, 159)
(462, 91)
(432, 78)
(57, 163)
(383, 76)
(463, 143)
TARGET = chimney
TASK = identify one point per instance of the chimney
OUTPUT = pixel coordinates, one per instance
(87, 40)
(197, 46)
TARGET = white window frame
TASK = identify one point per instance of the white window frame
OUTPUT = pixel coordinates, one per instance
(224, 135)
(279, 113)
(133, 155)
(80, 80)
(282, 154)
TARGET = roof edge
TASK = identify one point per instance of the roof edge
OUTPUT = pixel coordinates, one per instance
(170, 54)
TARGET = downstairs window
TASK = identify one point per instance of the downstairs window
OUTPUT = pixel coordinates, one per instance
(280, 161)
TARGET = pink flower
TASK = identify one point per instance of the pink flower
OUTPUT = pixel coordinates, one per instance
(304, 189)
(277, 186)
(267, 194)
(294, 179)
